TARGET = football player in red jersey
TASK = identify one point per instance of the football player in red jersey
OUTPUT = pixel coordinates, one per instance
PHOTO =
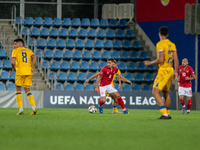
(103, 84)
(186, 74)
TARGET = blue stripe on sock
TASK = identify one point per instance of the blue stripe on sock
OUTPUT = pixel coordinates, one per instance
(161, 107)
(114, 106)
(168, 108)
(18, 93)
(29, 94)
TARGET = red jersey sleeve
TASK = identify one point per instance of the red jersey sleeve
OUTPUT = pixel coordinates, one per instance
(192, 71)
(101, 72)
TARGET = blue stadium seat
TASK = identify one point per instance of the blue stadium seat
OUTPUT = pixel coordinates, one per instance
(3, 53)
(48, 21)
(141, 66)
(130, 34)
(62, 76)
(89, 87)
(1, 64)
(58, 22)
(146, 87)
(95, 22)
(78, 54)
(79, 87)
(39, 53)
(144, 55)
(83, 33)
(87, 54)
(116, 55)
(94, 65)
(90, 74)
(151, 68)
(12, 75)
(68, 54)
(101, 33)
(125, 55)
(80, 44)
(55, 32)
(64, 33)
(123, 66)
(90, 44)
(52, 43)
(127, 44)
(135, 55)
(103, 64)
(75, 65)
(149, 77)
(65, 65)
(2, 87)
(97, 55)
(59, 54)
(32, 42)
(49, 54)
(19, 20)
(82, 76)
(132, 66)
(117, 87)
(114, 23)
(60, 87)
(111, 33)
(35, 32)
(46, 64)
(104, 23)
(45, 32)
(61, 43)
(139, 77)
(38, 21)
(106, 54)
(70, 87)
(137, 87)
(7, 64)
(11, 87)
(28, 21)
(55, 65)
(5, 75)
(86, 22)
(123, 23)
(67, 22)
(53, 76)
(120, 34)
(118, 44)
(109, 44)
(130, 76)
(73, 33)
(85, 65)
(99, 44)
(72, 76)
(76, 22)
(71, 43)
(137, 45)
(92, 33)
(127, 87)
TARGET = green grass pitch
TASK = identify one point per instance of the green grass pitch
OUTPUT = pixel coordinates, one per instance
(77, 129)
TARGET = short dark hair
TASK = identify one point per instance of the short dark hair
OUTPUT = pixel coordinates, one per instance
(164, 31)
(111, 59)
(19, 40)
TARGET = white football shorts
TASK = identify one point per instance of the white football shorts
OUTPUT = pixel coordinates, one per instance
(109, 88)
(185, 91)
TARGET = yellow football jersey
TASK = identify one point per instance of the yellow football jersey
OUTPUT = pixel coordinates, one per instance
(119, 73)
(168, 48)
(23, 60)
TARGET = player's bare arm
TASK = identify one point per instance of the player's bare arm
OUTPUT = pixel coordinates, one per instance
(190, 78)
(118, 78)
(34, 61)
(159, 60)
(125, 80)
(97, 84)
(92, 77)
(176, 65)
(13, 64)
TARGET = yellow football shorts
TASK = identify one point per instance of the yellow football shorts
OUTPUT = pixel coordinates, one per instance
(163, 79)
(23, 80)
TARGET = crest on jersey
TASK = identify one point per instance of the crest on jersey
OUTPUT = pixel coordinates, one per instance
(183, 74)
(165, 2)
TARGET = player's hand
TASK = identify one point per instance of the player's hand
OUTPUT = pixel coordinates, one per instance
(97, 89)
(147, 62)
(120, 86)
(130, 82)
(86, 81)
(13, 69)
(32, 69)
(178, 79)
(175, 76)
(187, 78)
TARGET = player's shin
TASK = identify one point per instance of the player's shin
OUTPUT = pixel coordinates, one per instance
(182, 101)
(189, 104)
(19, 100)
(101, 103)
(163, 110)
(168, 110)
(31, 100)
(121, 102)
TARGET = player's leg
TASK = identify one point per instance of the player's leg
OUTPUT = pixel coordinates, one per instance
(19, 82)
(27, 84)
(115, 104)
(189, 101)
(167, 101)
(102, 94)
(181, 93)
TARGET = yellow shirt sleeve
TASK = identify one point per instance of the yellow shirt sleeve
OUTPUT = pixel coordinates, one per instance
(159, 47)
(119, 72)
(14, 53)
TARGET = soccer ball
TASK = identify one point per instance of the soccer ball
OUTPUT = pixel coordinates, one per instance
(92, 109)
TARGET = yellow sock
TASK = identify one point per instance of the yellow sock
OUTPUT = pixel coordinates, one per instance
(31, 99)
(114, 108)
(168, 110)
(163, 110)
(19, 99)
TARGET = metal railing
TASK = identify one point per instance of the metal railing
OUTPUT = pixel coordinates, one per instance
(35, 87)
(3, 36)
(8, 43)
(13, 16)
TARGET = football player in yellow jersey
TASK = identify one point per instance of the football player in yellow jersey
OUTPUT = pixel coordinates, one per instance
(166, 54)
(115, 102)
(21, 59)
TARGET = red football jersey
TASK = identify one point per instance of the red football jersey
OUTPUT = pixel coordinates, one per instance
(107, 75)
(183, 73)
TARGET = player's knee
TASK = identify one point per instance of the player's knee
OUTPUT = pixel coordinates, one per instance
(103, 99)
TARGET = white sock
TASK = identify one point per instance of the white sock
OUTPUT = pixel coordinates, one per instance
(165, 115)
(188, 110)
(124, 109)
(184, 106)
(21, 109)
(33, 107)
